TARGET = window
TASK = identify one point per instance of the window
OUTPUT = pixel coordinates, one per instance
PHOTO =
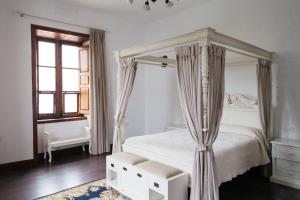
(61, 66)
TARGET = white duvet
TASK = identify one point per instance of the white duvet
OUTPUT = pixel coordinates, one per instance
(237, 149)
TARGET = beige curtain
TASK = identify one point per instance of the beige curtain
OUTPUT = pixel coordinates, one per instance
(204, 183)
(264, 82)
(216, 87)
(126, 76)
(99, 111)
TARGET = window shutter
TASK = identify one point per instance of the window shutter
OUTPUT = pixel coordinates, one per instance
(84, 97)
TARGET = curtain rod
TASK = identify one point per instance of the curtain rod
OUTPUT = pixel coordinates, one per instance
(203, 36)
(23, 14)
(240, 52)
(165, 50)
(172, 49)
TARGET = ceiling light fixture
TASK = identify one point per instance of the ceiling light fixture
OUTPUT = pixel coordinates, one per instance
(147, 6)
(169, 3)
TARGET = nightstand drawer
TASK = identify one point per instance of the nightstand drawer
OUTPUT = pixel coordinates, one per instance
(287, 174)
(286, 162)
(288, 165)
(286, 153)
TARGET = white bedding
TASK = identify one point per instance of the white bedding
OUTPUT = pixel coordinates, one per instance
(237, 149)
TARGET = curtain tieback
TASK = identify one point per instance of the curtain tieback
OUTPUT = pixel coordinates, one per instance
(117, 125)
(203, 147)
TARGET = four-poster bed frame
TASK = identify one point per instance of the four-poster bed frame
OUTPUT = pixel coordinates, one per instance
(200, 62)
(204, 37)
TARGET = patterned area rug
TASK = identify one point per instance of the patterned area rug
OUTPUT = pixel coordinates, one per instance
(91, 191)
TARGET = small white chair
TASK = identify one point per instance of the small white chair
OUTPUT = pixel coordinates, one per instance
(65, 134)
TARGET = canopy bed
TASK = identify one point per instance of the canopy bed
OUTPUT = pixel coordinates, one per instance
(204, 147)
(238, 147)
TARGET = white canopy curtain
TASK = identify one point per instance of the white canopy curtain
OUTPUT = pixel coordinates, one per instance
(189, 77)
(126, 76)
(99, 112)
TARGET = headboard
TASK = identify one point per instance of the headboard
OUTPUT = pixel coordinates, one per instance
(241, 110)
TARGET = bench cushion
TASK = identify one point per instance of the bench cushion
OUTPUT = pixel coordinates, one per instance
(128, 158)
(159, 169)
(59, 143)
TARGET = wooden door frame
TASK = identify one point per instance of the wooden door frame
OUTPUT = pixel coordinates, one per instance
(34, 81)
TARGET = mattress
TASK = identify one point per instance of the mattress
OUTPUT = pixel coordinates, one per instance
(236, 149)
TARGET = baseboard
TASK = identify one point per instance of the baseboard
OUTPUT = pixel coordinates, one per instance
(65, 152)
(17, 164)
(56, 153)
(286, 181)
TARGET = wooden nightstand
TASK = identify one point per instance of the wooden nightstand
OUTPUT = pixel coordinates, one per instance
(286, 162)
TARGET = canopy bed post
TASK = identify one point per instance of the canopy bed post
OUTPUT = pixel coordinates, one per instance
(204, 85)
(200, 78)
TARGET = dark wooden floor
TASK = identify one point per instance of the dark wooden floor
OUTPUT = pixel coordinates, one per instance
(251, 186)
(71, 170)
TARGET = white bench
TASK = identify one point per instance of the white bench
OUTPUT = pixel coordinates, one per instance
(141, 179)
(65, 134)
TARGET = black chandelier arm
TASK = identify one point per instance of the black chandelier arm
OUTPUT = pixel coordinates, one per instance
(169, 4)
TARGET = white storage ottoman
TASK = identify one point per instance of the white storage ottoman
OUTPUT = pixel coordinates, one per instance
(119, 171)
(163, 182)
(140, 179)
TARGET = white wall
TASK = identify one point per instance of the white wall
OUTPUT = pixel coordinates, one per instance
(270, 24)
(135, 121)
(161, 99)
(16, 135)
(242, 80)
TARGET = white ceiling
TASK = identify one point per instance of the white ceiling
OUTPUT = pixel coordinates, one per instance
(134, 12)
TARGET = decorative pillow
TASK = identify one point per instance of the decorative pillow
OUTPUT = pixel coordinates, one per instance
(227, 100)
(239, 99)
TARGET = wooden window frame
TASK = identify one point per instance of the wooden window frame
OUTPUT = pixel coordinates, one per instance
(58, 106)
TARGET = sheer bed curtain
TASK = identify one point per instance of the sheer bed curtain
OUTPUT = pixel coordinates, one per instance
(126, 76)
(204, 183)
(99, 111)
